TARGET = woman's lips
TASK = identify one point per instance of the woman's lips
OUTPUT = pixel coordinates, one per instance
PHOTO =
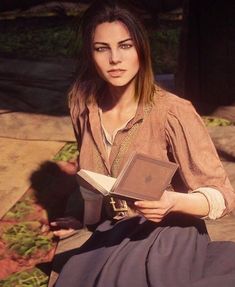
(116, 72)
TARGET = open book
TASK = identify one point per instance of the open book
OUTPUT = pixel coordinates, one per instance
(142, 178)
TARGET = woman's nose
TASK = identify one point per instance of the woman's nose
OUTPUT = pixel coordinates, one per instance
(115, 57)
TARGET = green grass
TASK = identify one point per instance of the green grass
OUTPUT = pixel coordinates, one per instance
(28, 278)
(21, 209)
(216, 122)
(25, 239)
(68, 152)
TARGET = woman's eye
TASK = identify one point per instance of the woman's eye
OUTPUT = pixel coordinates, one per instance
(126, 46)
(101, 49)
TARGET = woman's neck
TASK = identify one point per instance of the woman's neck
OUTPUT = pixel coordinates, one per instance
(119, 97)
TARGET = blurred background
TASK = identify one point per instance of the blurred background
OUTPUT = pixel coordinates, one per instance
(193, 40)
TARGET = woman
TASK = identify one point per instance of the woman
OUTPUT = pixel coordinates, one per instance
(116, 109)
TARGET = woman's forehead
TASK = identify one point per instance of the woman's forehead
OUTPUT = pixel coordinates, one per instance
(111, 31)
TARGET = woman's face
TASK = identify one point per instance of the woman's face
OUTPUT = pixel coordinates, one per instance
(114, 54)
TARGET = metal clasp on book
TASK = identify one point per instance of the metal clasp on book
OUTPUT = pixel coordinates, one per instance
(124, 206)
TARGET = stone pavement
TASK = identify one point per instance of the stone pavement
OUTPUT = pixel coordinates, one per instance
(34, 125)
(224, 140)
(34, 121)
(19, 158)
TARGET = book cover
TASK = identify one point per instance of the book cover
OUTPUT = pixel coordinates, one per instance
(142, 178)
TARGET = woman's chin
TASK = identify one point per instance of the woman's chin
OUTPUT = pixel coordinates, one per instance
(120, 83)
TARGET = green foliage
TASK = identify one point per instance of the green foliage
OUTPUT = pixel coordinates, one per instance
(25, 239)
(164, 47)
(51, 37)
(68, 152)
(29, 278)
(39, 42)
(215, 122)
(21, 209)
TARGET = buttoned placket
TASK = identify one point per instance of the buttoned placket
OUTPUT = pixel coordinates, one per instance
(96, 132)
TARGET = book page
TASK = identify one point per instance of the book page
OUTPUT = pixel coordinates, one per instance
(100, 182)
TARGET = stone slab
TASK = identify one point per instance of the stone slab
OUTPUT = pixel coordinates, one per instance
(33, 99)
(222, 229)
(17, 162)
(224, 141)
(27, 126)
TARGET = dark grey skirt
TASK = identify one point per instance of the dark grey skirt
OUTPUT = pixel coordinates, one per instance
(136, 252)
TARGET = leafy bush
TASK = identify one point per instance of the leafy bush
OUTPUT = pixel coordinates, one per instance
(56, 37)
(38, 42)
(164, 46)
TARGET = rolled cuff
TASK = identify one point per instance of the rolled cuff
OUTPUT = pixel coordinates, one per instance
(215, 199)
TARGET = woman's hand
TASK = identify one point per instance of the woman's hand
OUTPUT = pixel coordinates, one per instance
(195, 204)
(157, 210)
(64, 226)
(70, 167)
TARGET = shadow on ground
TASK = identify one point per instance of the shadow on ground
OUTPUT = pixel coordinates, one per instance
(52, 188)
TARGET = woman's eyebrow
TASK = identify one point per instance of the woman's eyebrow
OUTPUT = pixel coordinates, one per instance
(123, 41)
(106, 44)
(101, 43)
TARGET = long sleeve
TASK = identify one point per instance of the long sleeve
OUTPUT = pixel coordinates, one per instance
(200, 166)
(74, 114)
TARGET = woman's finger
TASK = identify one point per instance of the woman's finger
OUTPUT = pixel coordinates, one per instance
(63, 232)
(68, 167)
(66, 223)
(148, 204)
(148, 211)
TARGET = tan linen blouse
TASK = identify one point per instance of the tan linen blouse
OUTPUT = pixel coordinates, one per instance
(214, 197)
(170, 129)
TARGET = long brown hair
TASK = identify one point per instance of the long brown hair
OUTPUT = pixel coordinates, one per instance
(88, 84)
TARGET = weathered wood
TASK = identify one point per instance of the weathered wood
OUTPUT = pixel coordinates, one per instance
(207, 59)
